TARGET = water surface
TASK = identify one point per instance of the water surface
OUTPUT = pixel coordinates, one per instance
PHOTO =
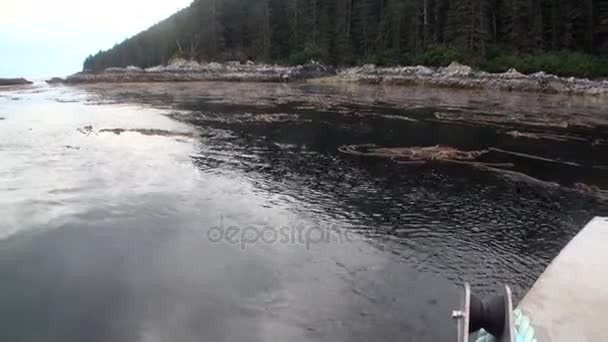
(112, 196)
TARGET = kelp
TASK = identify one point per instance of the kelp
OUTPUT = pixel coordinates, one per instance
(415, 155)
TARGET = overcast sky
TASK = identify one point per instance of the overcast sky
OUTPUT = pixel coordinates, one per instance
(42, 38)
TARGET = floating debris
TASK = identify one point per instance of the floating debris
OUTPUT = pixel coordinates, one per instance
(65, 100)
(2, 118)
(471, 119)
(502, 121)
(152, 131)
(252, 118)
(86, 130)
(509, 111)
(399, 117)
(415, 154)
(70, 147)
(544, 136)
(531, 156)
(599, 142)
(518, 176)
(518, 134)
(279, 117)
(591, 189)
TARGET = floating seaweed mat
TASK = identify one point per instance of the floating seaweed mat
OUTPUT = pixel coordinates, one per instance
(279, 117)
(478, 119)
(420, 155)
(544, 136)
(88, 130)
(413, 153)
(582, 188)
(152, 131)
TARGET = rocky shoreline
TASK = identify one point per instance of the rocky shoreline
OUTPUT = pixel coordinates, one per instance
(14, 81)
(464, 77)
(187, 71)
(455, 76)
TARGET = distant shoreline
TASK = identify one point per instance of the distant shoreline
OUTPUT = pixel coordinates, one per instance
(456, 76)
(181, 70)
(14, 81)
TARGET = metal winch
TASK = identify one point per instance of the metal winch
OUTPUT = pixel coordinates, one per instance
(494, 315)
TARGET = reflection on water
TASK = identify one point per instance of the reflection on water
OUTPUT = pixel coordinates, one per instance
(108, 195)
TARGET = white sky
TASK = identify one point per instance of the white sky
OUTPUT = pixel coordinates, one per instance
(42, 38)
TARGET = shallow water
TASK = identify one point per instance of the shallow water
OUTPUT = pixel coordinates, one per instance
(114, 198)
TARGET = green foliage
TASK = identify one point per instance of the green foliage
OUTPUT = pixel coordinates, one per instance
(562, 63)
(383, 32)
(183, 55)
(309, 53)
(440, 56)
(387, 57)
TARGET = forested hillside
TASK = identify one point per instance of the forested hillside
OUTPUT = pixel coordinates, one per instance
(563, 36)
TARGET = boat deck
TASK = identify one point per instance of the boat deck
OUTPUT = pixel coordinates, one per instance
(569, 300)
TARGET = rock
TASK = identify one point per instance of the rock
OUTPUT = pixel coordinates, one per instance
(86, 130)
(424, 71)
(464, 77)
(311, 70)
(539, 75)
(132, 68)
(114, 70)
(457, 69)
(55, 80)
(213, 66)
(368, 68)
(555, 86)
(250, 62)
(512, 73)
(550, 83)
(14, 81)
(597, 90)
(158, 68)
(182, 65)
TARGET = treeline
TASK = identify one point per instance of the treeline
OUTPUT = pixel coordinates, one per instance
(495, 34)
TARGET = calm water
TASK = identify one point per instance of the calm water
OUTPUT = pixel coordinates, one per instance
(224, 212)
